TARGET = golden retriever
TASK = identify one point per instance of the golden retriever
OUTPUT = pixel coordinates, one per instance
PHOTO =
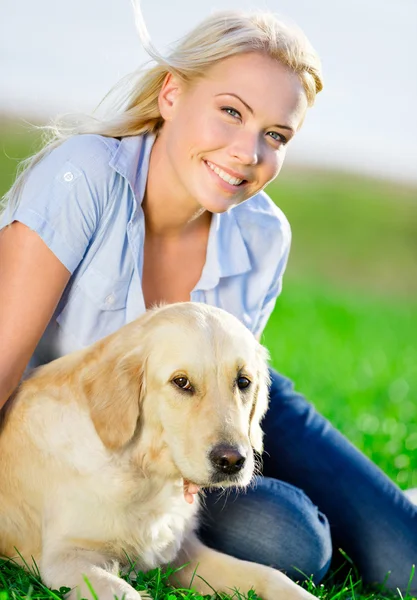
(96, 447)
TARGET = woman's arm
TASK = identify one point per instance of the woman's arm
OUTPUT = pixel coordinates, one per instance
(32, 280)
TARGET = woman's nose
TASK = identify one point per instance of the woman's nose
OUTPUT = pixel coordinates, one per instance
(246, 149)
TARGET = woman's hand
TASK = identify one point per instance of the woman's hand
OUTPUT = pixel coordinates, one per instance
(32, 280)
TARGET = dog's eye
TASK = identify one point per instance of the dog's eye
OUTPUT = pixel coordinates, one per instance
(183, 383)
(243, 383)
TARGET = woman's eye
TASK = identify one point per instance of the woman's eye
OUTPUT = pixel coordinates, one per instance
(183, 383)
(232, 112)
(243, 383)
(278, 137)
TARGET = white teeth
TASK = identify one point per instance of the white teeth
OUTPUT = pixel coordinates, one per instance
(224, 175)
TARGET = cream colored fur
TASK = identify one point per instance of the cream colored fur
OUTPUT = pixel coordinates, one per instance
(95, 448)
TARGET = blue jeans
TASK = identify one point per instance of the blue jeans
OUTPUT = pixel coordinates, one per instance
(318, 492)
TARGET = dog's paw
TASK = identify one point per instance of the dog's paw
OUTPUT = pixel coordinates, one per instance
(112, 589)
(277, 585)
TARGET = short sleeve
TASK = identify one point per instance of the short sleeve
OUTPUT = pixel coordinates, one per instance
(274, 290)
(65, 195)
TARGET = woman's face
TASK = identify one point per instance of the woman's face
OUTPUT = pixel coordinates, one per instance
(226, 135)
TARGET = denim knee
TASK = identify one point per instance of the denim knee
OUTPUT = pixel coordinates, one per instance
(272, 523)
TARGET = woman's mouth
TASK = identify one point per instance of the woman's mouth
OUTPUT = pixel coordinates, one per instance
(224, 176)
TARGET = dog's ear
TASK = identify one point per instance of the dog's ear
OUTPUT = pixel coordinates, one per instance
(260, 402)
(113, 387)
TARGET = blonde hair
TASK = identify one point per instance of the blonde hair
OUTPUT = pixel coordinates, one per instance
(133, 103)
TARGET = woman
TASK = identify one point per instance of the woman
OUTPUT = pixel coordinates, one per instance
(162, 201)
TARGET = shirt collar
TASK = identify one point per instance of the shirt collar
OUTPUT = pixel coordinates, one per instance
(227, 254)
(131, 161)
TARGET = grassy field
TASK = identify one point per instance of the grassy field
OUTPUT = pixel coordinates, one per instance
(344, 327)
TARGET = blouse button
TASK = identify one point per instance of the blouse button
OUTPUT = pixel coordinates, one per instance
(68, 176)
(110, 299)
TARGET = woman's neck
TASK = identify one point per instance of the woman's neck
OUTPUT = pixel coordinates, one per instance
(169, 211)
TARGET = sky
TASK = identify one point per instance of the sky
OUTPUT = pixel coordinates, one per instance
(60, 57)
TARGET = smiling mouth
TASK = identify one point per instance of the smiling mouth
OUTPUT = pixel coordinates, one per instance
(235, 181)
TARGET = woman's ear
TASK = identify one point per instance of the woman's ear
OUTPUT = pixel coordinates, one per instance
(170, 91)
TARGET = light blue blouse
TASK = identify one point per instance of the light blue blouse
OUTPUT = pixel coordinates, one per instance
(84, 200)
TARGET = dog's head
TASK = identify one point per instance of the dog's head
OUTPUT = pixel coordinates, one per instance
(187, 385)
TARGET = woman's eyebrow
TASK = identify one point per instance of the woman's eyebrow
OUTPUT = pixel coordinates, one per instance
(239, 98)
(251, 109)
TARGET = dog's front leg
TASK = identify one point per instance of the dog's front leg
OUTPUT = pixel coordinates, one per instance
(225, 573)
(88, 573)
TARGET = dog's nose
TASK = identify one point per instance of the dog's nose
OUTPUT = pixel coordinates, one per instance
(227, 459)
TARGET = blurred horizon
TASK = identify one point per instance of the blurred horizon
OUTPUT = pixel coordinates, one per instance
(56, 58)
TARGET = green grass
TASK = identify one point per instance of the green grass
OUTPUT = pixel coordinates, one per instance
(344, 328)
(19, 585)
(356, 359)
(353, 232)
(17, 141)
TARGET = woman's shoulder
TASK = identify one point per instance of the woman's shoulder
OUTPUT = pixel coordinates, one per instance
(79, 166)
(66, 193)
(80, 157)
(86, 151)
